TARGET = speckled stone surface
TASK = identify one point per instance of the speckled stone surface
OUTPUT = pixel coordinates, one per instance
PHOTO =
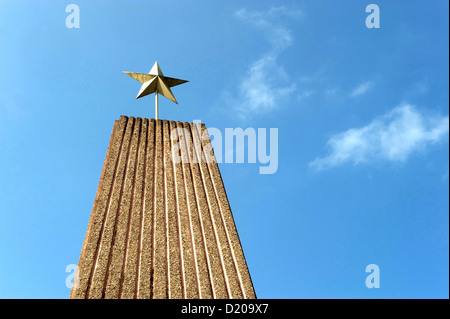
(159, 228)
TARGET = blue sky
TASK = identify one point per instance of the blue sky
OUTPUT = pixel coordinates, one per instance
(362, 118)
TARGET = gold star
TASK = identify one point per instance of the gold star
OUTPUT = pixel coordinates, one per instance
(156, 82)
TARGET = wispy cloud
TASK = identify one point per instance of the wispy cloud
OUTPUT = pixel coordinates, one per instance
(304, 95)
(392, 137)
(269, 21)
(332, 91)
(445, 176)
(362, 88)
(265, 82)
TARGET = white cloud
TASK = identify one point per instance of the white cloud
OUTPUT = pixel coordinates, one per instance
(279, 36)
(445, 176)
(362, 88)
(259, 91)
(304, 95)
(265, 82)
(393, 137)
(332, 92)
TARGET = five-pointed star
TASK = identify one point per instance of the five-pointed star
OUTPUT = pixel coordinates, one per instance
(155, 81)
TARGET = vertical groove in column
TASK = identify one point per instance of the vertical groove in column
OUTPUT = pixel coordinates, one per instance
(180, 246)
(175, 264)
(194, 198)
(189, 266)
(119, 245)
(230, 226)
(96, 221)
(129, 273)
(154, 190)
(225, 249)
(160, 279)
(217, 275)
(146, 264)
(211, 210)
(201, 261)
(145, 132)
(238, 289)
(98, 279)
(166, 213)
